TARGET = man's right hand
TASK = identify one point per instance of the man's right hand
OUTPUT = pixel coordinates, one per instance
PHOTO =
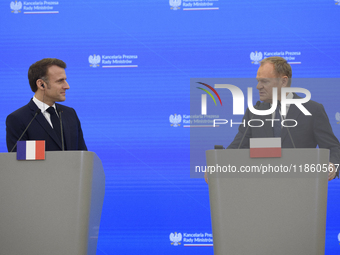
(206, 177)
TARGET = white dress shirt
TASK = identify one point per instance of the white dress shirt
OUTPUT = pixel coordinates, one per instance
(43, 107)
(289, 96)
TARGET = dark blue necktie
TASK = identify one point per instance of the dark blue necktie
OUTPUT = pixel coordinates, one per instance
(277, 124)
(55, 121)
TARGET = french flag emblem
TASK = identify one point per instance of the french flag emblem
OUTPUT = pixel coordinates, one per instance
(265, 147)
(31, 150)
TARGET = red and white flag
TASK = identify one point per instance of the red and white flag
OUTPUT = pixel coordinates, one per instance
(265, 147)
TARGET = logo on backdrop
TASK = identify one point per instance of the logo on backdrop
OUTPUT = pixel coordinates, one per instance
(35, 7)
(194, 5)
(339, 238)
(175, 238)
(16, 6)
(191, 239)
(94, 60)
(113, 60)
(256, 57)
(175, 120)
(292, 57)
(337, 117)
(337, 2)
(175, 4)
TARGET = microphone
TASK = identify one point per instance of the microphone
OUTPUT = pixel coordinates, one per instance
(257, 105)
(35, 115)
(291, 138)
(290, 135)
(61, 130)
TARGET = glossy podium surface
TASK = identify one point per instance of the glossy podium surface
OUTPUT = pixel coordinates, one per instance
(270, 213)
(51, 206)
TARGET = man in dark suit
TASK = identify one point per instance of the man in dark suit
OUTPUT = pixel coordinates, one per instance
(310, 131)
(47, 79)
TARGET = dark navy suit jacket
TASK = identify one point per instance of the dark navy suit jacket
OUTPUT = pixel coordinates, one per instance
(40, 129)
(310, 131)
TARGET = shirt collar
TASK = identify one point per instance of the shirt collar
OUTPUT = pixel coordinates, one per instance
(41, 105)
(289, 96)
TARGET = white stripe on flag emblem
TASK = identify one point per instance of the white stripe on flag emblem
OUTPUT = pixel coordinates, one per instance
(270, 142)
(269, 147)
(30, 150)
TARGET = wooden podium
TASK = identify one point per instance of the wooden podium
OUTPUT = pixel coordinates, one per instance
(52, 206)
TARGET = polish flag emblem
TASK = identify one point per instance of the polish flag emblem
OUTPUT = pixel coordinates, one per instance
(265, 147)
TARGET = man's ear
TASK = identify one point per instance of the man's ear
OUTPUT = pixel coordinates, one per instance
(284, 81)
(41, 84)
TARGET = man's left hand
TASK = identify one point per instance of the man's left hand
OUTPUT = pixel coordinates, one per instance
(332, 171)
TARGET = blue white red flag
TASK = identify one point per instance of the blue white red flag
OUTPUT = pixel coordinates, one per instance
(31, 150)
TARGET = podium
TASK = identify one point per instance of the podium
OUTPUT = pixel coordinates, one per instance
(52, 206)
(272, 212)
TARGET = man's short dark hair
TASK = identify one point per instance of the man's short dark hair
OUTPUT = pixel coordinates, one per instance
(38, 70)
(281, 67)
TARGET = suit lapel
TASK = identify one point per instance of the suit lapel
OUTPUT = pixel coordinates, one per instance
(268, 129)
(293, 114)
(67, 135)
(44, 123)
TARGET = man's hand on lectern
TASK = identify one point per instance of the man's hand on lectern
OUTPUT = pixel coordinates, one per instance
(332, 171)
(206, 177)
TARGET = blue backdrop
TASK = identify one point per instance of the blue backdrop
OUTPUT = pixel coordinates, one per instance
(148, 52)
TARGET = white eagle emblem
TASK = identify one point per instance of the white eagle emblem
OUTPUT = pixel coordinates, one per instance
(337, 2)
(174, 120)
(175, 4)
(175, 238)
(337, 117)
(94, 60)
(16, 6)
(256, 57)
